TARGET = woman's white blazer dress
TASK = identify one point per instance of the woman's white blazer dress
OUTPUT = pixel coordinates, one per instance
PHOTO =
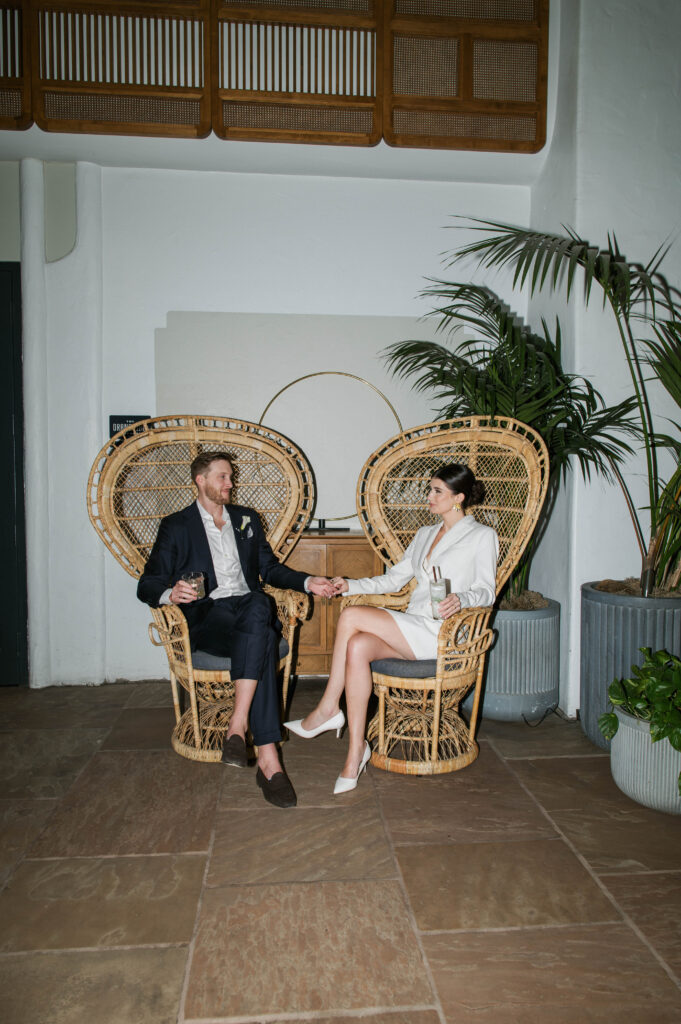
(467, 557)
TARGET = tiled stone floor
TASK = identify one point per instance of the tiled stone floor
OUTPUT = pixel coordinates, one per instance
(140, 888)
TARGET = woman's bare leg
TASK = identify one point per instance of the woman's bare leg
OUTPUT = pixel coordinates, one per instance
(363, 635)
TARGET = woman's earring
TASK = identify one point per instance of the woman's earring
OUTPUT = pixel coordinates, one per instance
(456, 507)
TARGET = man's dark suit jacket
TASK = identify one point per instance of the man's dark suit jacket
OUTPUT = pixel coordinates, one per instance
(181, 546)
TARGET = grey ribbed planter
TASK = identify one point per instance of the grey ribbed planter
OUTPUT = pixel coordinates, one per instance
(647, 772)
(522, 677)
(614, 626)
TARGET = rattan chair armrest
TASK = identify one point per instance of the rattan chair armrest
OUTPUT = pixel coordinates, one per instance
(169, 625)
(455, 632)
(292, 607)
(397, 601)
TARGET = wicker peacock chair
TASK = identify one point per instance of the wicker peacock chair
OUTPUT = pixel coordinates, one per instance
(418, 727)
(141, 475)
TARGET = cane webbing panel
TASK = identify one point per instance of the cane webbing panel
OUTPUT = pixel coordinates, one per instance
(504, 70)
(285, 117)
(490, 127)
(141, 110)
(476, 10)
(335, 6)
(509, 458)
(10, 103)
(425, 67)
(142, 475)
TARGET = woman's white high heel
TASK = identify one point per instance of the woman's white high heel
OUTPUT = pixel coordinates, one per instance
(344, 785)
(336, 722)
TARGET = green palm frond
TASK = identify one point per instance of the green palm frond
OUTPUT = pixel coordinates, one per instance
(509, 370)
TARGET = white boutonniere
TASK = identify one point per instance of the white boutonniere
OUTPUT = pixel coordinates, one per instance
(245, 520)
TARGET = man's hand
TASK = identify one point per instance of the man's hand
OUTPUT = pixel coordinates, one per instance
(182, 593)
(322, 586)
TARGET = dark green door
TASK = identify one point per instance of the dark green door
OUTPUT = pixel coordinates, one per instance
(13, 595)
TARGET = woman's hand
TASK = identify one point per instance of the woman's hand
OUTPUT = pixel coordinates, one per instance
(450, 606)
(340, 584)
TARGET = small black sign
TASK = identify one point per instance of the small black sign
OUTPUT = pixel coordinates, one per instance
(118, 423)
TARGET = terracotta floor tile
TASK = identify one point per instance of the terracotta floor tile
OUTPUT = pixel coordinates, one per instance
(653, 902)
(305, 845)
(588, 975)
(561, 783)
(134, 802)
(640, 840)
(153, 693)
(554, 737)
(396, 1017)
(500, 885)
(141, 729)
(337, 945)
(136, 986)
(62, 904)
(20, 823)
(44, 763)
(481, 803)
(62, 707)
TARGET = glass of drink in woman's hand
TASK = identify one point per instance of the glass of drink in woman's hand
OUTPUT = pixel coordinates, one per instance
(195, 580)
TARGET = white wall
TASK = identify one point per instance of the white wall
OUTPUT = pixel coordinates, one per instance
(150, 242)
(614, 165)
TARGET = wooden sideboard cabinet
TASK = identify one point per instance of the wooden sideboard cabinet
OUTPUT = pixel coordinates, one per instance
(328, 554)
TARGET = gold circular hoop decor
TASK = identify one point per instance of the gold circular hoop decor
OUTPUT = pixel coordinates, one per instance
(333, 373)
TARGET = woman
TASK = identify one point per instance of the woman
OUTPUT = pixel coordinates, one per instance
(466, 554)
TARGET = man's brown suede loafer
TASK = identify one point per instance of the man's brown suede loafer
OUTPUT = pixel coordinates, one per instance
(234, 752)
(277, 790)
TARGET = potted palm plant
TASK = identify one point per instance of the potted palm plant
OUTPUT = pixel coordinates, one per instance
(507, 370)
(647, 712)
(647, 312)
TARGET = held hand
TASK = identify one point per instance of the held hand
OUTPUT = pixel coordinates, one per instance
(450, 606)
(340, 584)
(321, 586)
(182, 593)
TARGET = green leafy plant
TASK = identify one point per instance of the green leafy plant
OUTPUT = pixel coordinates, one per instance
(653, 694)
(641, 299)
(507, 370)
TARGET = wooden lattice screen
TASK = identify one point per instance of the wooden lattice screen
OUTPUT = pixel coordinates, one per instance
(466, 74)
(121, 68)
(15, 82)
(459, 74)
(303, 71)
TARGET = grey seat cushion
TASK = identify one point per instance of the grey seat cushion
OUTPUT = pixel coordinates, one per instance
(206, 662)
(404, 668)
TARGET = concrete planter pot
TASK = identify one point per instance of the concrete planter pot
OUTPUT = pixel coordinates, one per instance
(645, 771)
(522, 676)
(614, 627)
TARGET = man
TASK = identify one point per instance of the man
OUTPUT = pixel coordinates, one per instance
(235, 618)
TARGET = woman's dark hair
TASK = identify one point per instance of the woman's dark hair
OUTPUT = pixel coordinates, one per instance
(461, 480)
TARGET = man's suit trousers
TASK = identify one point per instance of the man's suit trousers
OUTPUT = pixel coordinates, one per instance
(243, 628)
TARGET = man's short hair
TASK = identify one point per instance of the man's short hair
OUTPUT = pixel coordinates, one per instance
(205, 459)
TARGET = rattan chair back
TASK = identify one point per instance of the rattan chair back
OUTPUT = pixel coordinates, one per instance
(507, 456)
(142, 474)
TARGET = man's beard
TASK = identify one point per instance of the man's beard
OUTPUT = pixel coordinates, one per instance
(213, 494)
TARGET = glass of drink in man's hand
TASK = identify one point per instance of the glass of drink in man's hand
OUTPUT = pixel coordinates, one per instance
(195, 580)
